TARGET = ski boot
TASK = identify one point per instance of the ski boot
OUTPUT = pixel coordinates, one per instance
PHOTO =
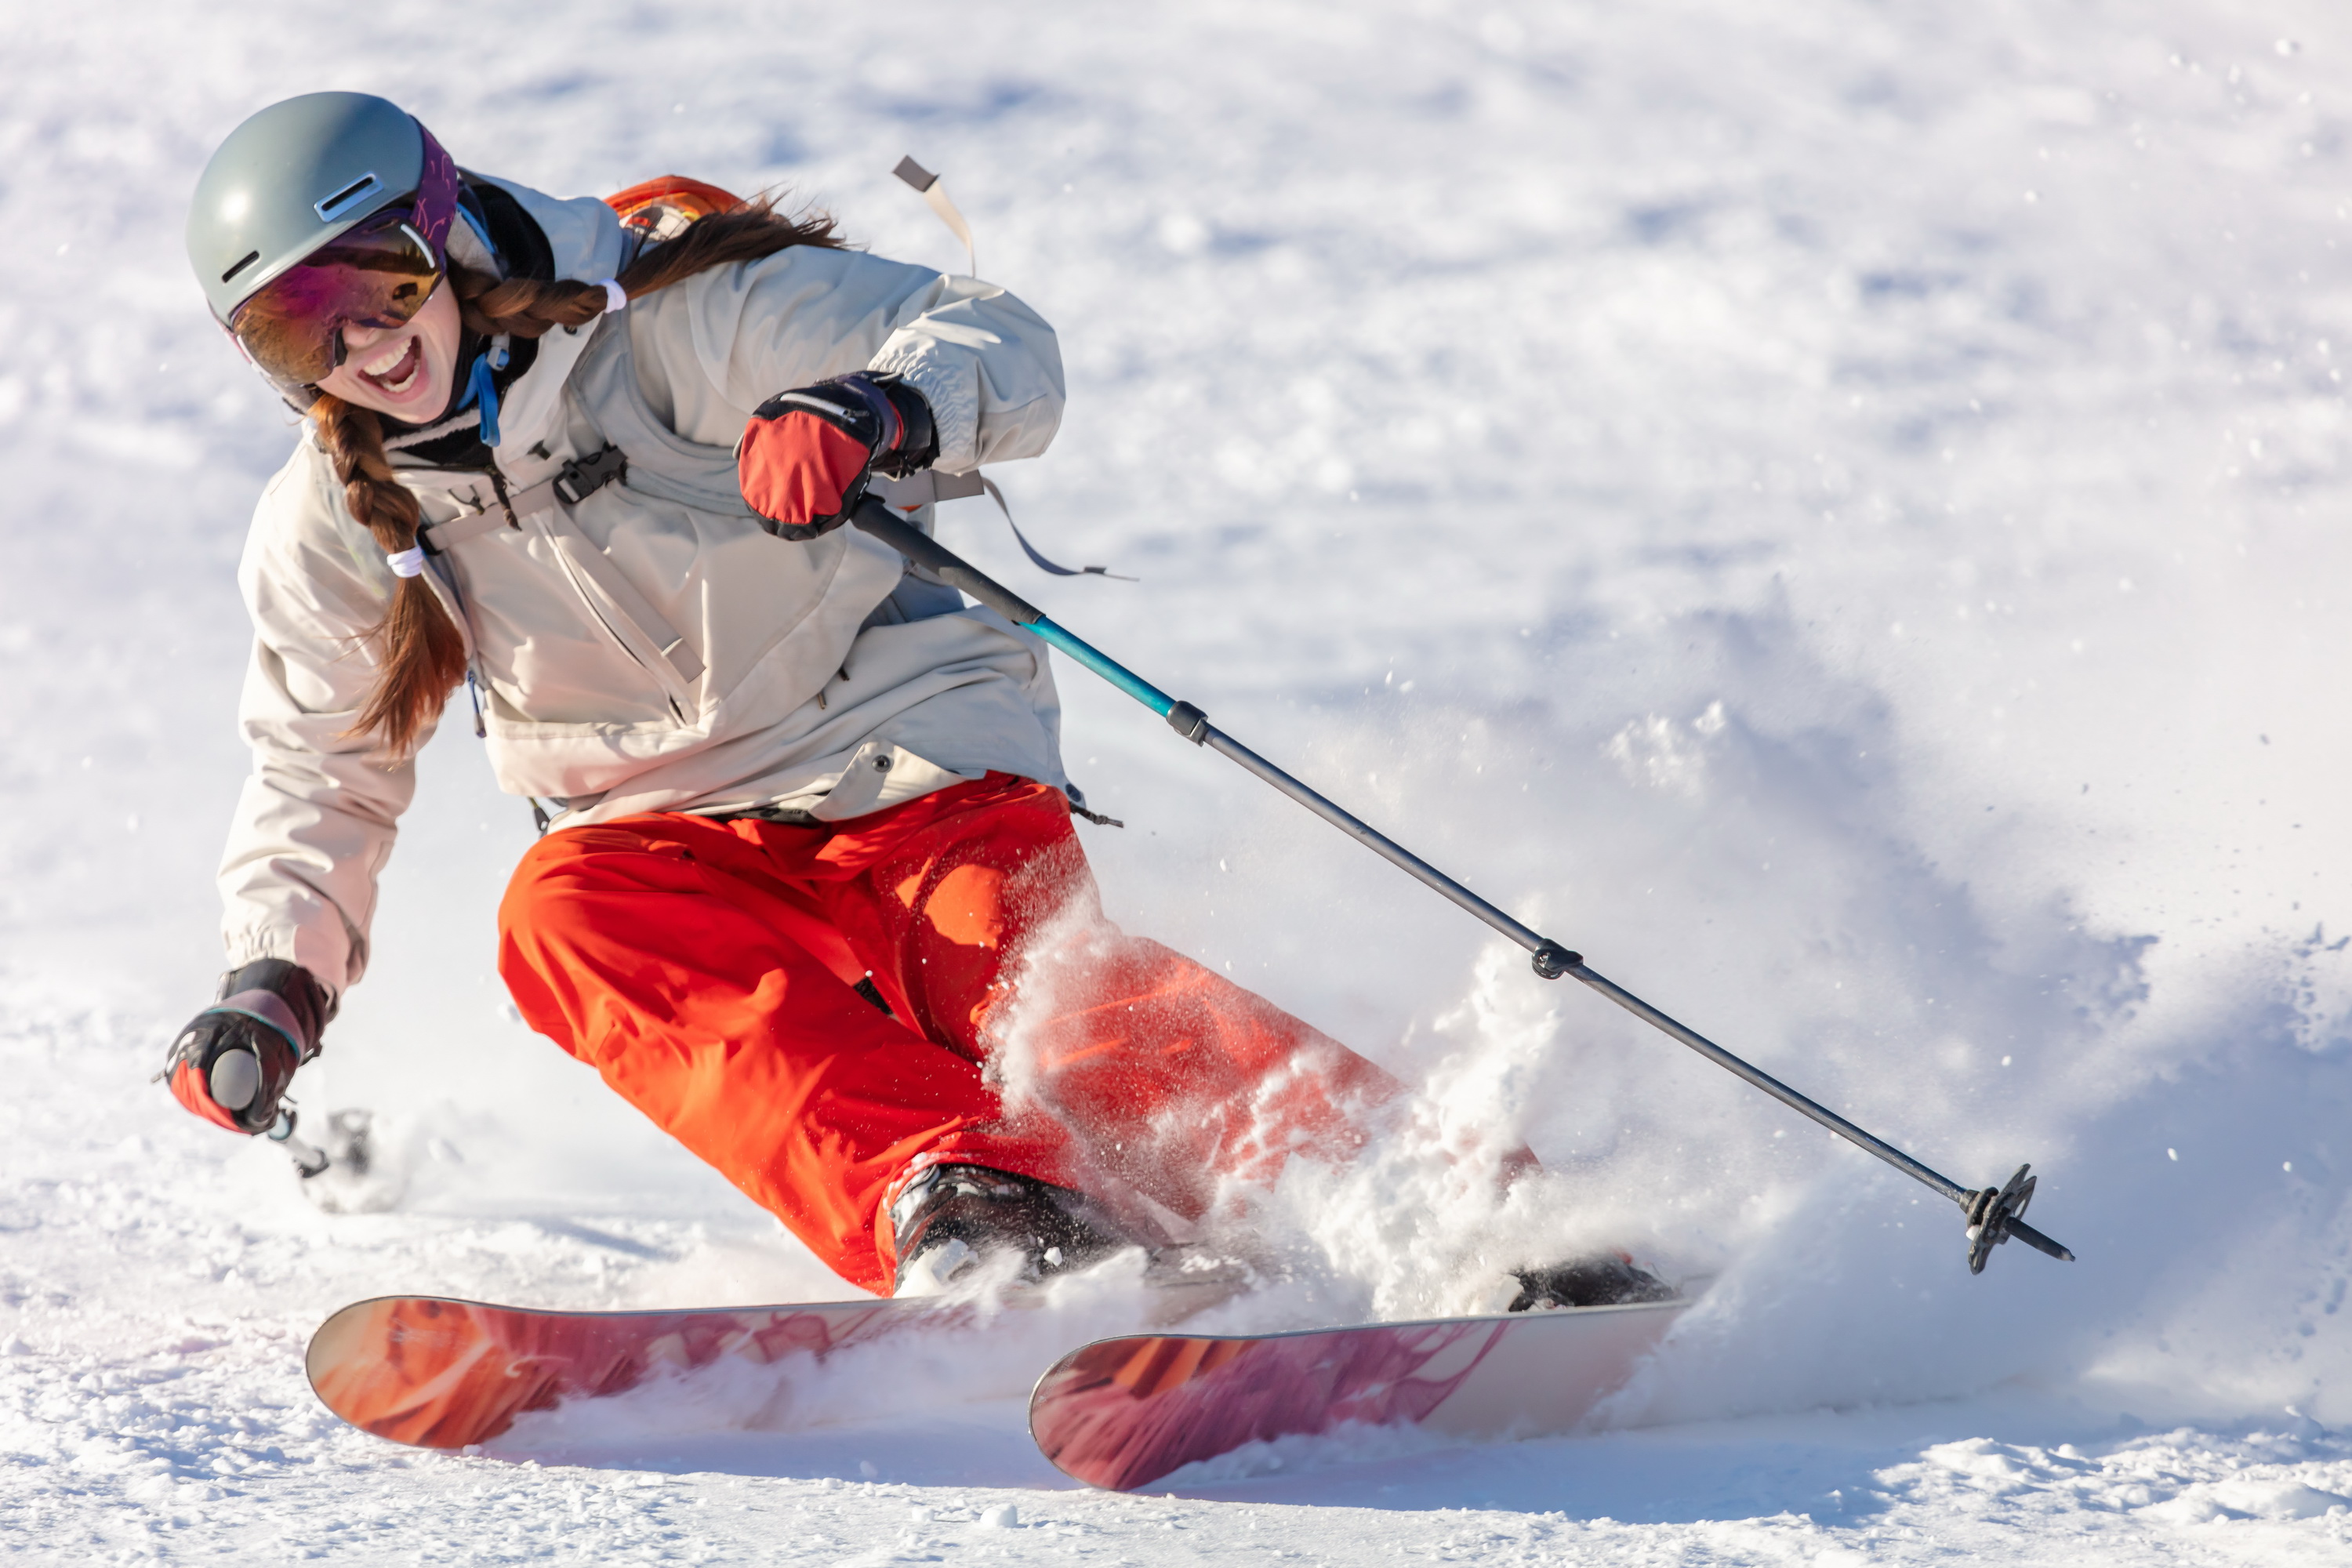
(1603, 1280)
(950, 1218)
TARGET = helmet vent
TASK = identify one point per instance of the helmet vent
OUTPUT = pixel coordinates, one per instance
(250, 258)
(347, 198)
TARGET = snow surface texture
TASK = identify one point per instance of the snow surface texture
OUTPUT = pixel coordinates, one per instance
(1831, 508)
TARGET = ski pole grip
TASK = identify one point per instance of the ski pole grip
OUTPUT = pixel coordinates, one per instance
(873, 516)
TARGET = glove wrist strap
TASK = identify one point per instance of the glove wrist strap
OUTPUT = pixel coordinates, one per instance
(270, 1008)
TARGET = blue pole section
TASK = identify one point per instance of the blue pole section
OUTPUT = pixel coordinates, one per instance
(1994, 1215)
(1109, 669)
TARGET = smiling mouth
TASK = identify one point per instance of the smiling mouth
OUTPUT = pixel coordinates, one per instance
(396, 374)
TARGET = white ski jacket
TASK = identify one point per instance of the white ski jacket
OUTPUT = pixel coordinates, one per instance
(650, 647)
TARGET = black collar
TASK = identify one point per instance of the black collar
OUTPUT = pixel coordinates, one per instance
(523, 252)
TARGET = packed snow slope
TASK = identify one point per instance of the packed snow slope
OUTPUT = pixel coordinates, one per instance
(1837, 511)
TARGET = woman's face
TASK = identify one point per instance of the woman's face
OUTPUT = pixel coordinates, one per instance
(407, 372)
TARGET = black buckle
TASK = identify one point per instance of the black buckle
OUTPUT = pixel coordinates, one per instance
(583, 476)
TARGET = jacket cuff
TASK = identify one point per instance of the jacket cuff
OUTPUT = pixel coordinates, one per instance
(333, 953)
(953, 391)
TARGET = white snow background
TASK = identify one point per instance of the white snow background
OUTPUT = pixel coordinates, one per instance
(1837, 510)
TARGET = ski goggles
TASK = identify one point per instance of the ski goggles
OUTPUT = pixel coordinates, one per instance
(376, 274)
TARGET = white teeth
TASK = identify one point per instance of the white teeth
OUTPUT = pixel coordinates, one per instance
(386, 360)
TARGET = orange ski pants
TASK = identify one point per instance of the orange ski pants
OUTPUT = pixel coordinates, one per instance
(705, 970)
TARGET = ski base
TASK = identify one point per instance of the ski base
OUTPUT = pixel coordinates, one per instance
(437, 1373)
(1122, 1413)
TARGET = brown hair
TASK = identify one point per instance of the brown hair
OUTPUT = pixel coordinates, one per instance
(420, 655)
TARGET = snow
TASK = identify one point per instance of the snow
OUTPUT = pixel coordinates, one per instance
(1833, 510)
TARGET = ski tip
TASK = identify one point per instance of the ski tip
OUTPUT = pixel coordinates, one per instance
(335, 1342)
(425, 1370)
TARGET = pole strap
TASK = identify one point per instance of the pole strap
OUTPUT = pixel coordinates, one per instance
(932, 486)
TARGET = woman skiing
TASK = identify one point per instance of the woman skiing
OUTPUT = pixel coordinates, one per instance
(810, 821)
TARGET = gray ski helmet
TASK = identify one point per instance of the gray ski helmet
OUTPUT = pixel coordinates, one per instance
(291, 178)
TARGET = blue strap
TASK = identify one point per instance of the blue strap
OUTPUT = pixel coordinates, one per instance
(481, 389)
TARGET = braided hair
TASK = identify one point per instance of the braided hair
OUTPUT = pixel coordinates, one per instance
(420, 653)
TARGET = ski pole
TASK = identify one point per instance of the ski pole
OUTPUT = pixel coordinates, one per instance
(1993, 1214)
(310, 1160)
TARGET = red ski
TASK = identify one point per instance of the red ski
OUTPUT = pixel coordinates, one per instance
(441, 1373)
(1118, 1413)
(1122, 1413)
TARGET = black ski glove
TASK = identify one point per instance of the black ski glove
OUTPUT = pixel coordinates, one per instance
(807, 455)
(232, 1063)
